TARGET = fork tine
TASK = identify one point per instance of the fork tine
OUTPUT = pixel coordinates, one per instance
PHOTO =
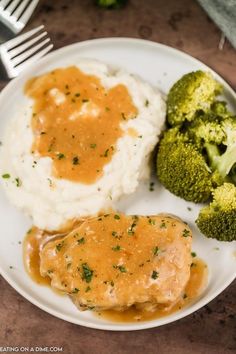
(4, 3)
(20, 49)
(20, 58)
(28, 12)
(34, 58)
(18, 40)
(12, 6)
(20, 8)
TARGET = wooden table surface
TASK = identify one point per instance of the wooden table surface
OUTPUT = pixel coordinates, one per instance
(184, 25)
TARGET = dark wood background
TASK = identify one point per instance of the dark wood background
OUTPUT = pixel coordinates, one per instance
(184, 25)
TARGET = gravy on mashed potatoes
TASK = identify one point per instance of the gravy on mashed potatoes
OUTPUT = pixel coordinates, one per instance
(76, 121)
(82, 140)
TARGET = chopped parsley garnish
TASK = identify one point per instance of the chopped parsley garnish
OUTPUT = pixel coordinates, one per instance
(193, 254)
(50, 182)
(75, 291)
(163, 225)
(6, 175)
(121, 268)
(60, 156)
(50, 271)
(117, 217)
(77, 94)
(106, 153)
(87, 289)
(85, 100)
(146, 103)
(93, 146)
(18, 182)
(81, 240)
(156, 251)
(114, 233)
(151, 221)
(186, 233)
(189, 208)
(116, 248)
(75, 160)
(185, 296)
(59, 246)
(87, 273)
(130, 230)
(154, 274)
(68, 265)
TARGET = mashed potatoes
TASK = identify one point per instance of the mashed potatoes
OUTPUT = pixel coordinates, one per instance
(51, 200)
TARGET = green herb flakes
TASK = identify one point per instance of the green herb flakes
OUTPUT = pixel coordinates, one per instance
(163, 225)
(59, 246)
(75, 160)
(87, 273)
(18, 182)
(117, 217)
(60, 156)
(75, 291)
(87, 289)
(156, 251)
(93, 146)
(6, 175)
(106, 153)
(81, 241)
(116, 248)
(154, 274)
(121, 268)
(186, 233)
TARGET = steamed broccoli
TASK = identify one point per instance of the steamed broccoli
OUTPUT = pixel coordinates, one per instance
(111, 4)
(217, 136)
(196, 157)
(218, 220)
(193, 92)
(182, 169)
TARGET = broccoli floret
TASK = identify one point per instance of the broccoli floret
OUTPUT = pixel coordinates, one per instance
(182, 169)
(218, 220)
(193, 92)
(111, 4)
(218, 137)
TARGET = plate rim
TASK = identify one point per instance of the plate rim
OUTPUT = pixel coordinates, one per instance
(116, 326)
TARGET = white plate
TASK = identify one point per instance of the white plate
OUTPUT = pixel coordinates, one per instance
(161, 66)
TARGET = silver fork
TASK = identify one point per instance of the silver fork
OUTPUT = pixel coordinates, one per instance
(15, 13)
(20, 52)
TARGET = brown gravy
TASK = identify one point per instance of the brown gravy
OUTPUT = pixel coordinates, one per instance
(197, 282)
(31, 248)
(76, 121)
